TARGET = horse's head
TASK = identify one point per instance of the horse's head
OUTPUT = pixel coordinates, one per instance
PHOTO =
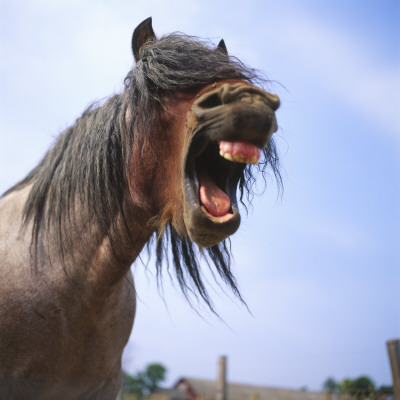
(208, 135)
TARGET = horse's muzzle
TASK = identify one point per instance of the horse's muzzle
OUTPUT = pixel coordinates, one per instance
(239, 112)
(236, 118)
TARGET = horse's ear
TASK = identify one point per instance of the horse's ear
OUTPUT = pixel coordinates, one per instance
(222, 47)
(142, 34)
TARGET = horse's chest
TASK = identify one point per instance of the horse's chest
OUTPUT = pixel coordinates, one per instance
(53, 335)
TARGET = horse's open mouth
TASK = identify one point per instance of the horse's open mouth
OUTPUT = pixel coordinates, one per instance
(212, 173)
(218, 170)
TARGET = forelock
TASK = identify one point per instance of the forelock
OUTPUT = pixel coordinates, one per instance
(181, 62)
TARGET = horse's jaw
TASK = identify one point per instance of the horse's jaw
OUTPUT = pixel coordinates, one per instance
(228, 125)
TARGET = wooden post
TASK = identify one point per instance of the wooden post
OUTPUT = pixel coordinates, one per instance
(393, 347)
(119, 396)
(221, 382)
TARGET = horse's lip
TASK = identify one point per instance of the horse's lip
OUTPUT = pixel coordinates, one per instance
(218, 220)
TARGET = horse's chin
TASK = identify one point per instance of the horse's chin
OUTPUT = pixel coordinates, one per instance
(207, 230)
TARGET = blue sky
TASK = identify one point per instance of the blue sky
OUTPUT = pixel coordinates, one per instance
(319, 267)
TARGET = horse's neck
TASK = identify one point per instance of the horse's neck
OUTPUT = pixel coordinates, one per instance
(105, 260)
(88, 256)
(109, 263)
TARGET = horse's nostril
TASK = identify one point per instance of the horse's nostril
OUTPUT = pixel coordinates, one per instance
(211, 101)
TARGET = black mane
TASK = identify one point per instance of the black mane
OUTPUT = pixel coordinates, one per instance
(89, 160)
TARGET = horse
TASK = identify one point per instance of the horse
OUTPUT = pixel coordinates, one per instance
(157, 166)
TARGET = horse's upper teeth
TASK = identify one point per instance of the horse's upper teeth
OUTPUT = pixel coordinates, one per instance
(228, 156)
(240, 152)
(253, 160)
(239, 157)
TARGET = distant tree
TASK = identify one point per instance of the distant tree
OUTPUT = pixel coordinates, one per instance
(384, 391)
(144, 382)
(153, 375)
(358, 388)
(330, 385)
(363, 387)
(346, 386)
(133, 385)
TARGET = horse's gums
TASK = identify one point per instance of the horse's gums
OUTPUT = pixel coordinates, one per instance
(162, 161)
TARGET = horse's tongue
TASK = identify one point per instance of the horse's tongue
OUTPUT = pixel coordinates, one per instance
(213, 198)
